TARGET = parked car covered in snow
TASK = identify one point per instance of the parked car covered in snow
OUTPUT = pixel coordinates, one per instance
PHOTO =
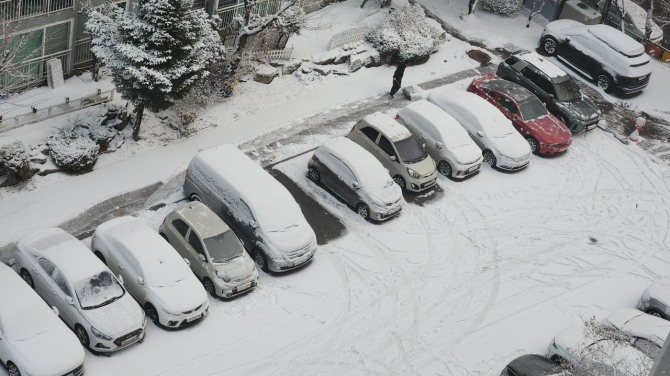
(502, 146)
(357, 177)
(33, 341)
(556, 89)
(446, 141)
(648, 333)
(214, 253)
(610, 58)
(532, 365)
(634, 19)
(256, 206)
(397, 149)
(88, 297)
(602, 357)
(152, 272)
(655, 300)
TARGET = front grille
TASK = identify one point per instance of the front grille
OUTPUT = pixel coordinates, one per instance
(119, 341)
(428, 184)
(193, 310)
(299, 252)
(428, 175)
(79, 371)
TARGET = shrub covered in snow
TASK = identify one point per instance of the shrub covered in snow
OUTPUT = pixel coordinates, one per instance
(15, 161)
(405, 35)
(101, 134)
(504, 7)
(72, 151)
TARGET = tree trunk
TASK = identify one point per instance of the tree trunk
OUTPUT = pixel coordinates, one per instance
(138, 121)
(649, 21)
(362, 4)
(606, 10)
(471, 6)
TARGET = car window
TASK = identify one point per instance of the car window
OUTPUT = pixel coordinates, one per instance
(512, 60)
(544, 82)
(194, 241)
(47, 266)
(530, 74)
(180, 226)
(386, 146)
(61, 282)
(342, 170)
(507, 104)
(370, 132)
(647, 347)
(245, 211)
(531, 108)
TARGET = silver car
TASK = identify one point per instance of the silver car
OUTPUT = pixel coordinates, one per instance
(655, 300)
(215, 254)
(354, 175)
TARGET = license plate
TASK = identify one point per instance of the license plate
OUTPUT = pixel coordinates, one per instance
(193, 318)
(244, 286)
(129, 340)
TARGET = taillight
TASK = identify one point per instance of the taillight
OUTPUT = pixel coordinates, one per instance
(352, 129)
(397, 116)
(314, 158)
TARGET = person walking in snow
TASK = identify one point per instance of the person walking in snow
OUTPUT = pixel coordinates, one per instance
(397, 79)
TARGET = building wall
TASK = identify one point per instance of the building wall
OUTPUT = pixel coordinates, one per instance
(550, 10)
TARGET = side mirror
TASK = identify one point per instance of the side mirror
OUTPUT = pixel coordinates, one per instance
(241, 241)
(68, 300)
(392, 157)
(567, 39)
(187, 262)
(253, 224)
(480, 133)
(140, 280)
(438, 145)
(202, 257)
(355, 185)
(120, 279)
(53, 308)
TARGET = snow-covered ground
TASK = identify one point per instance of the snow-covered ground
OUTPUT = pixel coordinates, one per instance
(478, 273)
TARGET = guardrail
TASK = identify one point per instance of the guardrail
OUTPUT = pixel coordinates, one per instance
(284, 54)
(348, 36)
(45, 113)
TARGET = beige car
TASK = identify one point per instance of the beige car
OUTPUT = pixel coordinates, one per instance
(397, 149)
(211, 249)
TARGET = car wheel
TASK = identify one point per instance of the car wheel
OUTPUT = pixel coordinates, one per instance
(604, 82)
(445, 168)
(654, 312)
(101, 257)
(549, 46)
(534, 145)
(164, 236)
(151, 313)
(13, 369)
(400, 181)
(82, 336)
(489, 158)
(27, 277)
(194, 197)
(260, 259)
(209, 286)
(313, 174)
(363, 210)
(560, 360)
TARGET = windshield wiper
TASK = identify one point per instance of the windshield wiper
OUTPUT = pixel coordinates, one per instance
(110, 301)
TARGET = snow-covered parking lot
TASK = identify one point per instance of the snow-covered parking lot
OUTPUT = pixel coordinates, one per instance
(480, 272)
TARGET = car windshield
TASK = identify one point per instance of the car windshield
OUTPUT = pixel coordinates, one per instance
(567, 90)
(98, 290)
(223, 247)
(532, 108)
(410, 151)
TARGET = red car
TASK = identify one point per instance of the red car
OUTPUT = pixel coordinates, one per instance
(543, 131)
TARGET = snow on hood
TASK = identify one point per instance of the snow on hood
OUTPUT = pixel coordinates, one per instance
(467, 153)
(512, 145)
(424, 167)
(389, 194)
(116, 318)
(293, 237)
(550, 130)
(54, 352)
(182, 296)
(584, 108)
(660, 291)
(237, 268)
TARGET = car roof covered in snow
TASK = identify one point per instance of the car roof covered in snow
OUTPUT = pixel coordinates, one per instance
(449, 129)
(541, 63)
(640, 324)
(616, 39)
(202, 219)
(369, 171)
(533, 364)
(69, 254)
(517, 92)
(388, 126)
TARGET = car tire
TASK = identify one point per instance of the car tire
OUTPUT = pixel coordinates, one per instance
(313, 174)
(363, 210)
(260, 259)
(164, 236)
(655, 312)
(489, 158)
(209, 286)
(445, 168)
(27, 278)
(534, 145)
(559, 359)
(549, 45)
(194, 197)
(400, 181)
(12, 369)
(82, 335)
(604, 81)
(151, 313)
(101, 257)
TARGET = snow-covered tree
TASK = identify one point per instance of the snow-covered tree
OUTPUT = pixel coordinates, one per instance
(15, 161)
(73, 151)
(504, 7)
(157, 52)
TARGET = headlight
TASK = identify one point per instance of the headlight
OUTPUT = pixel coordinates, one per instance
(413, 173)
(376, 201)
(222, 276)
(100, 335)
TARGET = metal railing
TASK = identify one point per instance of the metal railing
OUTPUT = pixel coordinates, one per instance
(19, 9)
(45, 113)
(82, 52)
(348, 36)
(261, 8)
(284, 54)
(32, 71)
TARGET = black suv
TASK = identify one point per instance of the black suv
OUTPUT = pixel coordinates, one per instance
(555, 88)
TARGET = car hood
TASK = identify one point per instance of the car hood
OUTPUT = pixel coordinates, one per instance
(583, 109)
(512, 145)
(660, 291)
(56, 351)
(388, 195)
(182, 296)
(292, 238)
(549, 130)
(467, 153)
(117, 317)
(424, 167)
(237, 268)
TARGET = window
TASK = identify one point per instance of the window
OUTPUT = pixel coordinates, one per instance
(244, 212)
(386, 146)
(512, 60)
(61, 282)
(508, 104)
(545, 83)
(57, 38)
(370, 132)
(47, 266)
(195, 243)
(181, 227)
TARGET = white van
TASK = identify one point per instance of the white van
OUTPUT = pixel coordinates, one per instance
(255, 206)
(456, 155)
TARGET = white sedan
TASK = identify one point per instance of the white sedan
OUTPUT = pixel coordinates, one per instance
(647, 332)
(33, 341)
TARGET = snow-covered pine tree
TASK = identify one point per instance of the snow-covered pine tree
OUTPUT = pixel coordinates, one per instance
(157, 52)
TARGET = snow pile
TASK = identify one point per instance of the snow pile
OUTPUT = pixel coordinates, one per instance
(406, 35)
(504, 7)
(71, 151)
(15, 161)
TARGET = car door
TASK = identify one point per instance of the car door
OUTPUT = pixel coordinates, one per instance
(348, 192)
(533, 79)
(41, 278)
(511, 111)
(369, 138)
(326, 170)
(199, 262)
(384, 153)
(579, 52)
(64, 298)
(133, 279)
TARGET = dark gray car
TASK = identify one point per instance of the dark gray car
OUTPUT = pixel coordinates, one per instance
(555, 88)
(532, 365)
